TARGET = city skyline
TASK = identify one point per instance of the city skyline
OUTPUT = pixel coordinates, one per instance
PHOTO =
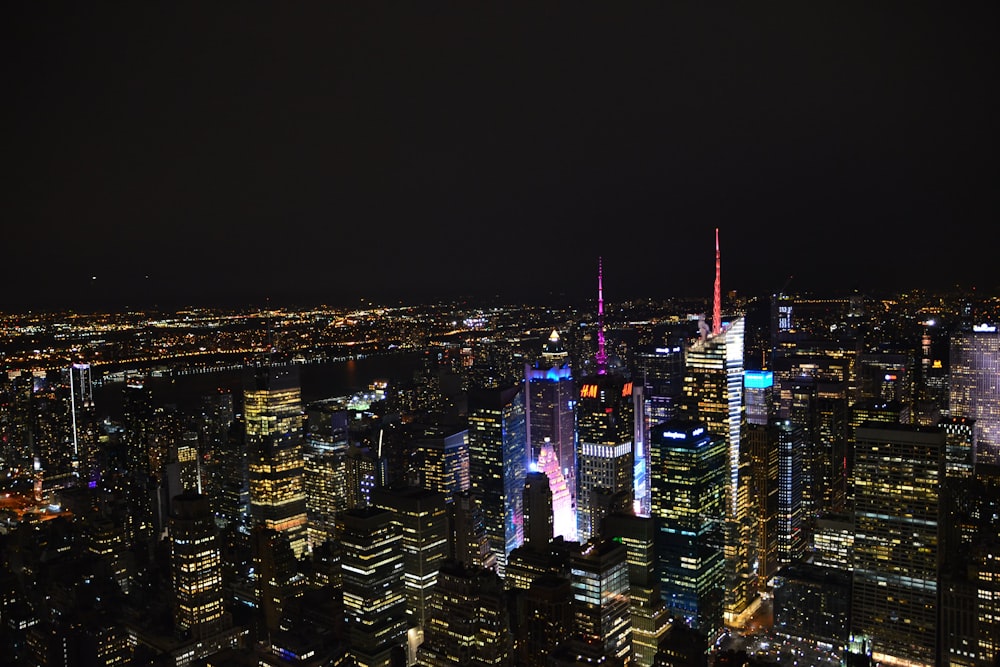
(202, 155)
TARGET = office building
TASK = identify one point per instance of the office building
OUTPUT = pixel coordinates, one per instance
(974, 387)
(689, 497)
(897, 477)
(272, 411)
(498, 461)
(196, 566)
(600, 578)
(422, 518)
(549, 406)
(563, 513)
(325, 457)
(650, 619)
(469, 622)
(713, 394)
(374, 590)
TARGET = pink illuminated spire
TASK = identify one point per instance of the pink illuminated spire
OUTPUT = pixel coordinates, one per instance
(717, 303)
(602, 355)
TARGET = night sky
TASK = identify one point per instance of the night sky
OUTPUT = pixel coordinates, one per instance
(237, 153)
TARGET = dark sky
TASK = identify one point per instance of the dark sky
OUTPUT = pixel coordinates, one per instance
(236, 152)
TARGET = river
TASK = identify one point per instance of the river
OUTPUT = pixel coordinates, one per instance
(318, 380)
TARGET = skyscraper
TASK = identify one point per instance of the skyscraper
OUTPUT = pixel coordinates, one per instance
(974, 386)
(325, 456)
(713, 394)
(498, 461)
(549, 406)
(563, 516)
(422, 517)
(897, 476)
(689, 503)
(791, 538)
(760, 443)
(442, 452)
(83, 424)
(374, 592)
(600, 576)
(650, 619)
(468, 621)
(273, 414)
(196, 566)
(605, 418)
(537, 510)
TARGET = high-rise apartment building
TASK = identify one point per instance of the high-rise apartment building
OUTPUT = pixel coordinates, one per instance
(272, 411)
(498, 461)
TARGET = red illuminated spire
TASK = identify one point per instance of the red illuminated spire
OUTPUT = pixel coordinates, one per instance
(717, 303)
(602, 356)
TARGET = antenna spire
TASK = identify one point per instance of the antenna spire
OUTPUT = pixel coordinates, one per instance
(717, 297)
(602, 355)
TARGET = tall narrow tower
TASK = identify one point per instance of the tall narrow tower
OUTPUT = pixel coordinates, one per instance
(713, 394)
(498, 462)
(602, 355)
(605, 436)
(272, 408)
(717, 292)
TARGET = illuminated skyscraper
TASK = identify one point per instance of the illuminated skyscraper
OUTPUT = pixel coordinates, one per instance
(713, 394)
(974, 386)
(83, 424)
(550, 399)
(422, 517)
(650, 619)
(563, 516)
(468, 620)
(689, 503)
(498, 461)
(442, 451)
(601, 597)
(273, 414)
(605, 419)
(897, 478)
(791, 537)
(374, 592)
(196, 566)
(760, 444)
(325, 455)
